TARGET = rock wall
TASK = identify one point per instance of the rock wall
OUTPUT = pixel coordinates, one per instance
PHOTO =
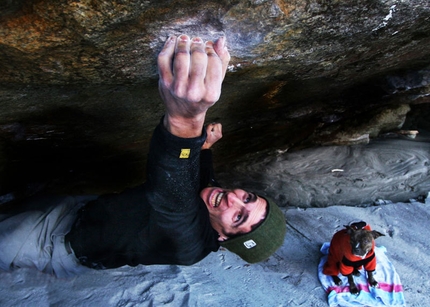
(78, 88)
(58, 42)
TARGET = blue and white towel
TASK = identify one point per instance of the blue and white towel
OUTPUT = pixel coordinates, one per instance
(388, 293)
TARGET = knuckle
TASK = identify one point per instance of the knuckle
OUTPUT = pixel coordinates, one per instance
(161, 56)
(178, 90)
(212, 54)
(182, 52)
(198, 52)
(193, 97)
(212, 96)
(196, 92)
(162, 83)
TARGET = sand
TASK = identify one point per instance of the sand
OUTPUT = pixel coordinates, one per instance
(388, 169)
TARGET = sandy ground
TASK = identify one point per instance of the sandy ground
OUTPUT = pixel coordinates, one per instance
(289, 277)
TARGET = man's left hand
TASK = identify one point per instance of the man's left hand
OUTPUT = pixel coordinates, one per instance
(214, 133)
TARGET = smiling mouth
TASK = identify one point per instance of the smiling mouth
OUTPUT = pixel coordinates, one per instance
(216, 200)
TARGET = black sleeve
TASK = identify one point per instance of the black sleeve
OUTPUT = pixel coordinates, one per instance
(173, 166)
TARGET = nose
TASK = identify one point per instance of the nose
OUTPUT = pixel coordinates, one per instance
(233, 199)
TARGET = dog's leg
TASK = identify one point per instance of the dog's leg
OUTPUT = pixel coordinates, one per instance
(352, 286)
(356, 272)
(371, 279)
(337, 280)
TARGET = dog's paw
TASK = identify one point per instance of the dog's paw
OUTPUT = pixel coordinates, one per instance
(337, 280)
(371, 280)
(353, 289)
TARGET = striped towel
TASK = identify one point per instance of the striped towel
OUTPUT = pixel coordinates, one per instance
(388, 293)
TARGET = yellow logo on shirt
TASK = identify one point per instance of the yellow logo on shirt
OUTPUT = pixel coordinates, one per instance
(185, 153)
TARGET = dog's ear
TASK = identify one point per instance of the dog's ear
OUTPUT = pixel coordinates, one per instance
(349, 230)
(352, 227)
(376, 234)
(358, 225)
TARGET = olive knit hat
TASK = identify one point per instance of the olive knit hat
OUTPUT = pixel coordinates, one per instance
(258, 244)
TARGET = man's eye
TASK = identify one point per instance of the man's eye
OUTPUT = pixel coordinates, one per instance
(238, 217)
(250, 197)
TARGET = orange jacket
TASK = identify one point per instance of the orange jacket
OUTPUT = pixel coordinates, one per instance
(342, 260)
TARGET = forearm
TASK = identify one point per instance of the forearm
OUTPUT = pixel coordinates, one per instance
(172, 169)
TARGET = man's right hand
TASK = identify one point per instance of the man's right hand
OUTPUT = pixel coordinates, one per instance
(191, 74)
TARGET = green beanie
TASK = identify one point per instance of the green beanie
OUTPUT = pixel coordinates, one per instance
(258, 244)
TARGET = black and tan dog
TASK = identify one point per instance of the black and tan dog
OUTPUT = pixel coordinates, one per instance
(350, 249)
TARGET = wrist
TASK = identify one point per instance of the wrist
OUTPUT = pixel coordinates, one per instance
(184, 127)
(206, 145)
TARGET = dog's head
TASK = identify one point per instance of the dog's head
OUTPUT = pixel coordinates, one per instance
(361, 240)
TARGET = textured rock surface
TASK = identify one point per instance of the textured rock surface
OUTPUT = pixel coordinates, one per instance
(117, 41)
(78, 96)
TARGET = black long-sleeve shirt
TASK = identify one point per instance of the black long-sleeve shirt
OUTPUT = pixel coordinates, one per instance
(163, 221)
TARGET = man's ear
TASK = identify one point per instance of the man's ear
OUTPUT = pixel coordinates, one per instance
(222, 238)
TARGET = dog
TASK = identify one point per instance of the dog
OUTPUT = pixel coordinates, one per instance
(350, 249)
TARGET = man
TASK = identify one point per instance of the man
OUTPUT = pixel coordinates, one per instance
(173, 218)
